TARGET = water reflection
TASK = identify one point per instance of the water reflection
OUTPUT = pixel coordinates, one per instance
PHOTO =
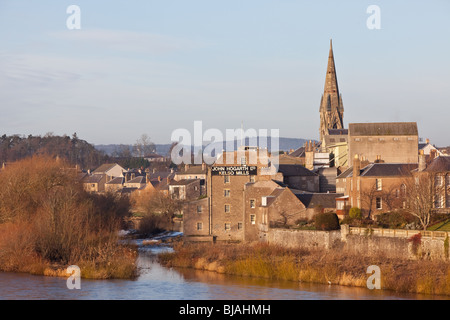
(157, 282)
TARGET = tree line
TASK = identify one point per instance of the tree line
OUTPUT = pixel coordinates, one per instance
(76, 151)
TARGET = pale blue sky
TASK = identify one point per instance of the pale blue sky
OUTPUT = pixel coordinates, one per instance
(154, 66)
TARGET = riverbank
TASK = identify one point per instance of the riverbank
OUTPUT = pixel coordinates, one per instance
(311, 266)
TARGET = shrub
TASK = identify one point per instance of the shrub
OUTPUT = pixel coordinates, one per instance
(395, 219)
(327, 221)
(151, 224)
(355, 213)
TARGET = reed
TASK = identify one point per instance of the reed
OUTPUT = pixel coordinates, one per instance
(313, 265)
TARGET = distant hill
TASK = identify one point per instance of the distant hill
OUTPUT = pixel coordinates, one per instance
(285, 144)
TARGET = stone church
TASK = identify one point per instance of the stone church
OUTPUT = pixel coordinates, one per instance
(331, 106)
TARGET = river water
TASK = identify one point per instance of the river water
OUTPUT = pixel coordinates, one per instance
(159, 283)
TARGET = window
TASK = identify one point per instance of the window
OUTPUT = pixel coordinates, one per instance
(403, 190)
(199, 209)
(243, 161)
(226, 193)
(437, 181)
(253, 219)
(252, 178)
(357, 139)
(340, 205)
(199, 225)
(380, 139)
(438, 201)
(395, 139)
(252, 203)
(227, 208)
(378, 182)
(342, 139)
(239, 225)
(332, 140)
(226, 179)
(378, 203)
(227, 226)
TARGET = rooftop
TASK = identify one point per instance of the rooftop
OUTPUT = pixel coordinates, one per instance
(383, 129)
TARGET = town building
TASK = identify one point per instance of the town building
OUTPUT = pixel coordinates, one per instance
(394, 142)
(374, 187)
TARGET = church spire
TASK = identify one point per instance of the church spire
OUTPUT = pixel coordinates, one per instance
(331, 107)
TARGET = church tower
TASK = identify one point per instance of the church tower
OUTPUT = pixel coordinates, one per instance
(331, 107)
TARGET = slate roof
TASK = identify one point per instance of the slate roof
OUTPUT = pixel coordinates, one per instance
(194, 170)
(294, 170)
(105, 167)
(183, 182)
(139, 179)
(388, 169)
(381, 170)
(340, 132)
(118, 180)
(383, 129)
(300, 152)
(439, 164)
(94, 178)
(311, 200)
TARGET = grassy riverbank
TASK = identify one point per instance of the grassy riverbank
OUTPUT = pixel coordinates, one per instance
(48, 222)
(315, 266)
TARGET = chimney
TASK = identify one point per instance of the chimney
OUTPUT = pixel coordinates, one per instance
(356, 166)
(203, 166)
(432, 154)
(422, 161)
(427, 141)
(186, 167)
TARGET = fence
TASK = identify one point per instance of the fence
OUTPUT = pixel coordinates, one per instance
(398, 233)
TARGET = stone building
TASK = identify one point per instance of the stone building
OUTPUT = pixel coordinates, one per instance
(394, 142)
(375, 187)
(245, 198)
(438, 169)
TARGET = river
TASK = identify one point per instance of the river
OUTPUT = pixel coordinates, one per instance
(160, 283)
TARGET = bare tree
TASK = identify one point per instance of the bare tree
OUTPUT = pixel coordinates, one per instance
(421, 193)
(143, 146)
(368, 197)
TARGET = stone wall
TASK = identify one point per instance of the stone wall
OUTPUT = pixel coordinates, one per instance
(304, 238)
(364, 244)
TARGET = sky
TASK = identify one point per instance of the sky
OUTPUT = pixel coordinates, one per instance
(151, 67)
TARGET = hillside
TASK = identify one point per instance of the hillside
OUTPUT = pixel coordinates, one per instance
(285, 144)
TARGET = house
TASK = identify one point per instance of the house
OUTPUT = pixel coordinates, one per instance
(376, 187)
(313, 201)
(114, 185)
(138, 182)
(154, 157)
(111, 170)
(185, 189)
(427, 148)
(439, 171)
(298, 177)
(94, 183)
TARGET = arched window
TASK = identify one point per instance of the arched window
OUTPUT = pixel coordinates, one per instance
(403, 190)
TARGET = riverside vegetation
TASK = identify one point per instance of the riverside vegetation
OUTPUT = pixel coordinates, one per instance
(48, 222)
(311, 265)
